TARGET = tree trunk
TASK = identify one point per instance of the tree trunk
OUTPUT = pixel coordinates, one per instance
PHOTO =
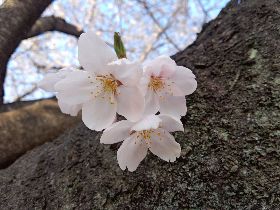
(16, 19)
(230, 147)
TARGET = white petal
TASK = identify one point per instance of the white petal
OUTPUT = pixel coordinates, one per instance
(130, 103)
(48, 82)
(76, 88)
(174, 106)
(74, 96)
(143, 84)
(148, 122)
(94, 54)
(51, 79)
(127, 72)
(151, 103)
(185, 80)
(170, 124)
(99, 113)
(162, 66)
(73, 79)
(131, 153)
(73, 110)
(117, 132)
(164, 145)
(170, 89)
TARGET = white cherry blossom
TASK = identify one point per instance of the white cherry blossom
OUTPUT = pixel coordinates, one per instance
(50, 79)
(48, 84)
(165, 85)
(106, 87)
(150, 133)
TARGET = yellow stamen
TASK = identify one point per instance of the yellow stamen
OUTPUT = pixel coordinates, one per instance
(156, 83)
(109, 83)
(144, 135)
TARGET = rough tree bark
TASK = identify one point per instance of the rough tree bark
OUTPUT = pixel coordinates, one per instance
(230, 157)
(30, 125)
(16, 19)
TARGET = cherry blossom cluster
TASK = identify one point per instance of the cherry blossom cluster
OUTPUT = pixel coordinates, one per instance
(151, 96)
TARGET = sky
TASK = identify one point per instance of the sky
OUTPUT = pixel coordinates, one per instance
(104, 17)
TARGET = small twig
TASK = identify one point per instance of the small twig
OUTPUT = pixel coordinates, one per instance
(162, 31)
(150, 13)
(19, 98)
(204, 11)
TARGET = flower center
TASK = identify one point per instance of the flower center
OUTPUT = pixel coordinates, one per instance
(109, 84)
(146, 134)
(156, 83)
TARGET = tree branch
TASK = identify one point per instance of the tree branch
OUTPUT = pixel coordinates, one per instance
(30, 125)
(53, 23)
(150, 13)
(16, 19)
(162, 31)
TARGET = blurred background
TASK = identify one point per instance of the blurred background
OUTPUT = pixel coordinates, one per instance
(148, 28)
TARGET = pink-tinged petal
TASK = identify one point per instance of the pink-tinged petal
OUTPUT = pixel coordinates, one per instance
(131, 153)
(164, 145)
(99, 113)
(185, 80)
(117, 132)
(170, 124)
(77, 88)
(147, 123)
(162, 66)
(174, 106)
(72, 110)
(130, 103)
(151, 103)
(93, 53)
(127, 72)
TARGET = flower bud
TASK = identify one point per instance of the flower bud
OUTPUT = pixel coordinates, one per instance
(119, 46)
